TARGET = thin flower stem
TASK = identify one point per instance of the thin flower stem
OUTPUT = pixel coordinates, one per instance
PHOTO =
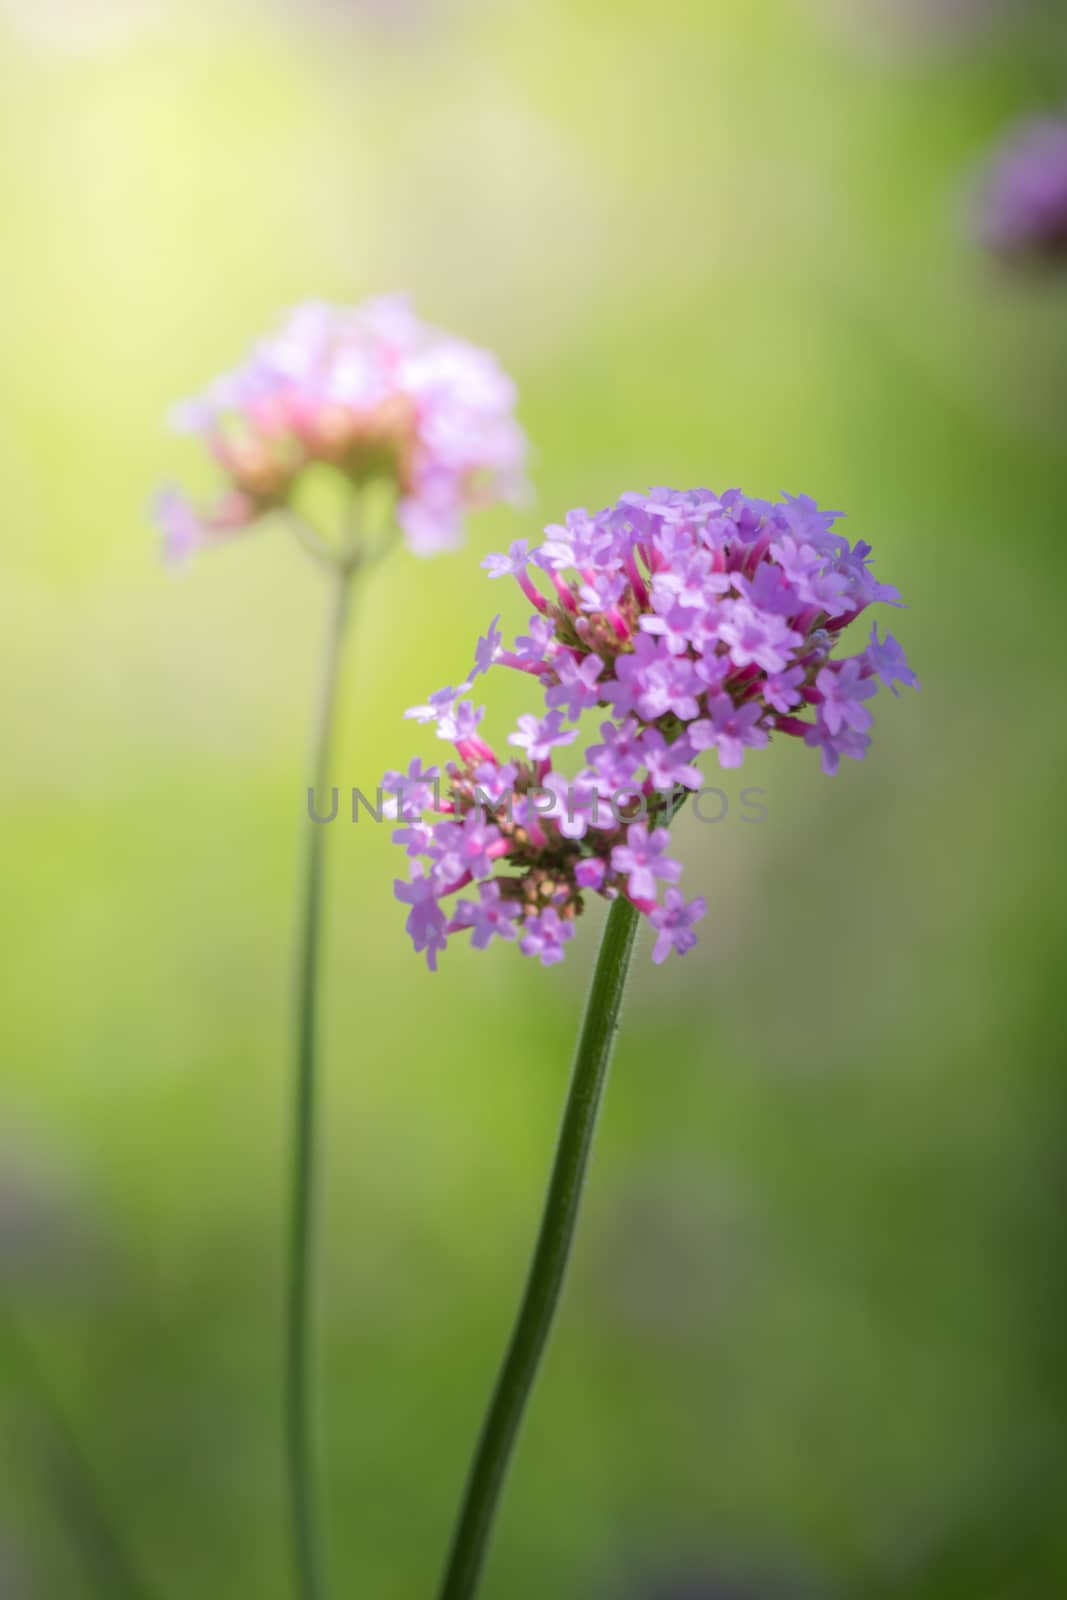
(548, 1267)
(299, 1383)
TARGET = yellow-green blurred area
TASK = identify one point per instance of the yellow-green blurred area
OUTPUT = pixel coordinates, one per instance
(812, 1339)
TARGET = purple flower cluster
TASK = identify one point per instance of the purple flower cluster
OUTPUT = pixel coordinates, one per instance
(690, 622)
(1023, 205)
(370, 391)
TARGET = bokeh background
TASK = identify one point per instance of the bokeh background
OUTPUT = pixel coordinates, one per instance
(813, 1337)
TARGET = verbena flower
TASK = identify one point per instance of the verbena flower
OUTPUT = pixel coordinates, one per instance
(1022, 211)
(688, 622)
(370, 391)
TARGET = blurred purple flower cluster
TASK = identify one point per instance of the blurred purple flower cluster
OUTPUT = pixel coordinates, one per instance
(698, 622)
(370, 391)
(1023, 204)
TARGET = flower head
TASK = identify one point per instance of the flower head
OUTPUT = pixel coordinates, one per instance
(755, 600)
(371, 392)
(1022, 209)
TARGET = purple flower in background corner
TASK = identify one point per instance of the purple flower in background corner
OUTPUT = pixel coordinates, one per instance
(371, 392)
(1022, 206)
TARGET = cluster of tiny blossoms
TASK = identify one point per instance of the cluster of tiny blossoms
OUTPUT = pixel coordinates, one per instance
(370, 391)
(690, 622)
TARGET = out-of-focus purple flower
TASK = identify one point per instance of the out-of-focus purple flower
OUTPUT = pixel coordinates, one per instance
(371, 392)
(1022, 207)
(755, 598)
(185, 530)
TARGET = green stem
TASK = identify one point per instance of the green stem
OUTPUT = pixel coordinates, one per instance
(545, 1282)
(299, 1386)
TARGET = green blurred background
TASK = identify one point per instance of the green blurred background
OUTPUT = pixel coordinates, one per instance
(813, 1337)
